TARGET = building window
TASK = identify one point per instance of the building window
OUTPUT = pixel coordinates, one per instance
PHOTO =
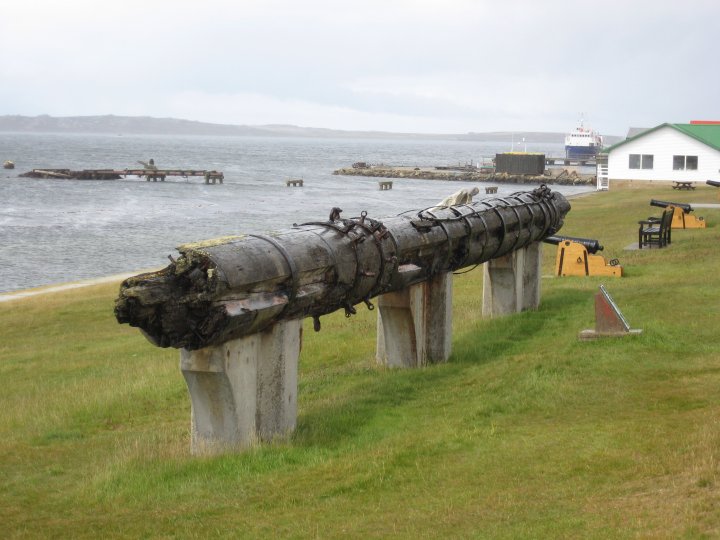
(641, 161)
(681, 163)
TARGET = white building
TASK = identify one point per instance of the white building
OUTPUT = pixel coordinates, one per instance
(668, 153)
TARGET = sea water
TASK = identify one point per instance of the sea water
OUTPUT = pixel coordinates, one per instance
(54, 231)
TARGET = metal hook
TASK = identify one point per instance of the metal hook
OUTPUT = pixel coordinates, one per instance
(335, 213)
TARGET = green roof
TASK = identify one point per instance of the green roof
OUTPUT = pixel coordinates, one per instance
(708, 134)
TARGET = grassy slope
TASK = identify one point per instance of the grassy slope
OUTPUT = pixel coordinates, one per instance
(526, 432)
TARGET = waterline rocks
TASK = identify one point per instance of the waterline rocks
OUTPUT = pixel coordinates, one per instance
(552, 176)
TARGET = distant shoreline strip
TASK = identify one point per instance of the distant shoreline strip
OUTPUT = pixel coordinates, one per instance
(47, 289)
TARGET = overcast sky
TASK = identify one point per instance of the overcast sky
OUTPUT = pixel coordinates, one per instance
(431, 66)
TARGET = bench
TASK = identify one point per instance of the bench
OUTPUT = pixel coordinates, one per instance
(491, 189)
(656, 231)
(683, 185)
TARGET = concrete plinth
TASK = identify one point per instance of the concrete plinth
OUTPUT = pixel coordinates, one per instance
(414, 325)
(245, 390)
(512, 283)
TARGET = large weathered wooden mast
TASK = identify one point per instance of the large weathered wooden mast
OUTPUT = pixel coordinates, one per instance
(228, 288)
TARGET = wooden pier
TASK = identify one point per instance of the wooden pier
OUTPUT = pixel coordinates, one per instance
(154, 175)
(582, 162)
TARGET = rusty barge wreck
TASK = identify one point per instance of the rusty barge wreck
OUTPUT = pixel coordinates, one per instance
(154, 175)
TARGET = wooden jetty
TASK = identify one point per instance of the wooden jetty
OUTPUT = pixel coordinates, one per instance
(154, 175)
(582, 162)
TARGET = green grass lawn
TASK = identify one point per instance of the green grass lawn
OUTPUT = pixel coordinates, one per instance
(525, 433)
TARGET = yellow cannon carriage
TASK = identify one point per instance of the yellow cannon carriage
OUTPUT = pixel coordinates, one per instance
(577, 257)
(682, 218)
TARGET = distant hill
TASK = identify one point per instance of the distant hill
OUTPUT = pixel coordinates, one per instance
(147, 125)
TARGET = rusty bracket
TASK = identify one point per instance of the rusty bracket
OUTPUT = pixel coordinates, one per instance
(423, 225)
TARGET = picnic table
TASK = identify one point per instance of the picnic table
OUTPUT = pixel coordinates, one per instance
(683, 185)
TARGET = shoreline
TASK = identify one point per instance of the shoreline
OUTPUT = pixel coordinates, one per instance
(558, 176)
(60, 287)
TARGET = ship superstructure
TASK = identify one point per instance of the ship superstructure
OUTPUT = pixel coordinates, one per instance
(582, 143)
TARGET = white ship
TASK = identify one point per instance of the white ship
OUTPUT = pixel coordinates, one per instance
(582, 143)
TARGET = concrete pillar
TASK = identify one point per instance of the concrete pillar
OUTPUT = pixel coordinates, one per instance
(512, 283)
(414, 325)
(244, 390)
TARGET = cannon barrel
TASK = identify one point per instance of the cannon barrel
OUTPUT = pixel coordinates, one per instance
(664, 204)
(231, 287)
(592, 245)
(713, 183)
